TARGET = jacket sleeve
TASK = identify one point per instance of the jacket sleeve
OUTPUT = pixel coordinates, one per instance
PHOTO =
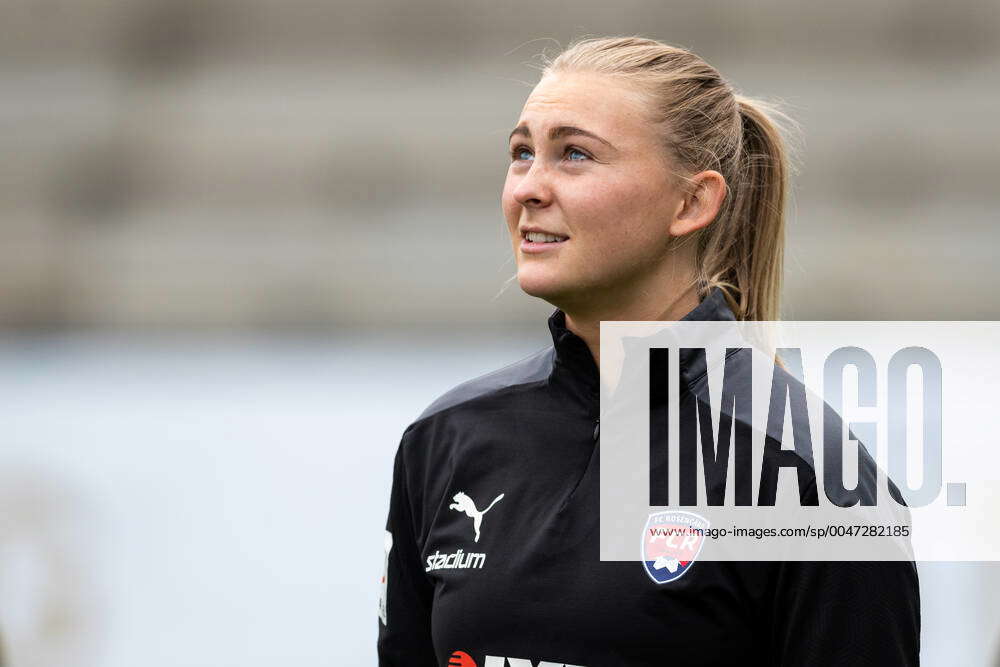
(404, 630)
(847, 613)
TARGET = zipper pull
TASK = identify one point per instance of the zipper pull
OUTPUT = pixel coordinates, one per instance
(597, 429)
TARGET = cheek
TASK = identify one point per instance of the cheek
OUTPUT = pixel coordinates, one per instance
(620, 218)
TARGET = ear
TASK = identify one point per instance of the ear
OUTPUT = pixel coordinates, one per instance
(699, 204)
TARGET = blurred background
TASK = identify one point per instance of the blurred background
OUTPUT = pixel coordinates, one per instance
(244, 244)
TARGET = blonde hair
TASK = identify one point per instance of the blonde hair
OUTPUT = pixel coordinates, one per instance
(707, 125)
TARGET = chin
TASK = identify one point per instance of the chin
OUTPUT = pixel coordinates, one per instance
(547, 287)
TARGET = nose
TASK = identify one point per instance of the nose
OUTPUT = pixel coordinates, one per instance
(534, 190)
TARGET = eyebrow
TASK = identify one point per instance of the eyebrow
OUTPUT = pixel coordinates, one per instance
(559, 132)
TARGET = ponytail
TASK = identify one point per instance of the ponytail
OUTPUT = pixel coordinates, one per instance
(749, 269)
(742, 252)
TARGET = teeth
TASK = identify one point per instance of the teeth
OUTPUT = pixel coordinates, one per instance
(542, 237)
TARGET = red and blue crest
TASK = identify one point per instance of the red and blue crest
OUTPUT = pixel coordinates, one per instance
(671, 542)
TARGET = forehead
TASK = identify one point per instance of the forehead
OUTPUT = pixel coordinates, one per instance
(606, 105)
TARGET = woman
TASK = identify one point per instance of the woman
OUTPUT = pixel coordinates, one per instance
(641, 187)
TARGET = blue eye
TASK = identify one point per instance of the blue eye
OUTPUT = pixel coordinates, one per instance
(524, 153)
(519, 152)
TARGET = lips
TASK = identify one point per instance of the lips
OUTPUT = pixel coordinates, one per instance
(535, 241)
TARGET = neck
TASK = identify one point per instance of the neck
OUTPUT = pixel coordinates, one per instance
(585, 322)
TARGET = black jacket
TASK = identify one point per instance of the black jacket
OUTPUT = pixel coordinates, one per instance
(492, 550)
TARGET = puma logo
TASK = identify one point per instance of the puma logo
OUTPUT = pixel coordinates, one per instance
(463, 503)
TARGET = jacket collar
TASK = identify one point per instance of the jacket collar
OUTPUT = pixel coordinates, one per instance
(575, 364)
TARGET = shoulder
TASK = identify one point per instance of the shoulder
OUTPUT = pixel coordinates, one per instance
(429, 444)
(532, 368)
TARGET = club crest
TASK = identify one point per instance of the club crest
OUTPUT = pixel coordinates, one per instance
(671, 542)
